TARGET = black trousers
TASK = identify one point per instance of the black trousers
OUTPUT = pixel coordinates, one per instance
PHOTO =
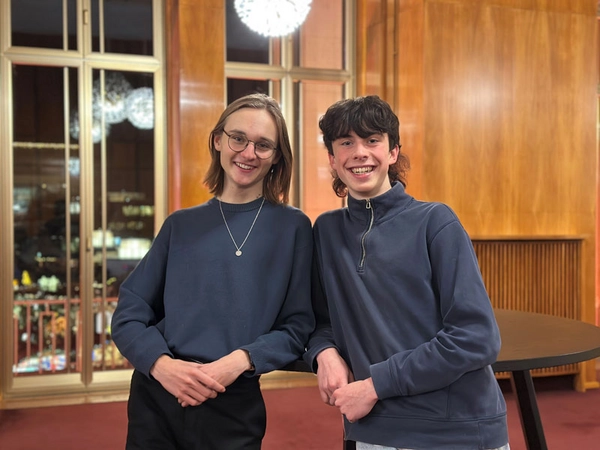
(234, 420)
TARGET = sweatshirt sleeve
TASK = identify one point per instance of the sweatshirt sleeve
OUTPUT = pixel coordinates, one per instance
(322, 337)
(140, 309)
(285, 342)
(469, 338)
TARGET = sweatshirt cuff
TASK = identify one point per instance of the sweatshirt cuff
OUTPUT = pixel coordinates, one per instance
(382, 380)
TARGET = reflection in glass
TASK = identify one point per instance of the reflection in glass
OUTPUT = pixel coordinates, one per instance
(127, 27)
(46, 222)
(97, 130)
(237, 87)
(39, 23)
(109, 97)
(244, 45)
(325, 23)
(124, 208)
(140, 108)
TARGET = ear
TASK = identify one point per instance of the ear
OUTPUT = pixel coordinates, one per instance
(276, 158)
(394, 155)
(217, 141)
(331, 161)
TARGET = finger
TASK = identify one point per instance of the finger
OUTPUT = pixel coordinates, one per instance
(210, 383)
(332, 400)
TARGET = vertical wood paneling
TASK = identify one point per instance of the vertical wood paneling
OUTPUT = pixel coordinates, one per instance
(371, 49)
(410, 88)
(197, 75)
(497, 102)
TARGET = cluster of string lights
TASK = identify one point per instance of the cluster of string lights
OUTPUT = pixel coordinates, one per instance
(269, 18)
(272, 18)
(120, 102)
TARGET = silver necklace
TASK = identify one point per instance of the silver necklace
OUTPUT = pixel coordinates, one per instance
(239, 248)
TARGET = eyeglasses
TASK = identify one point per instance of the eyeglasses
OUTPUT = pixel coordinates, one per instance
(239, 142)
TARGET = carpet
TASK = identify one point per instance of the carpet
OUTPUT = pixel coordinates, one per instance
(297, 420)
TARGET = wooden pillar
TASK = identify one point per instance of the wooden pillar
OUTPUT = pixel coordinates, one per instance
(196, 93)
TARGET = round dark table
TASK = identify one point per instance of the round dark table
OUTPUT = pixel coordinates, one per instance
(534, 341)
(530, 341)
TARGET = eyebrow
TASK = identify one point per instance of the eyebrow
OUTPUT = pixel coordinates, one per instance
(261, 138)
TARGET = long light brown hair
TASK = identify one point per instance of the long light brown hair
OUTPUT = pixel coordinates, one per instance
(276, 184)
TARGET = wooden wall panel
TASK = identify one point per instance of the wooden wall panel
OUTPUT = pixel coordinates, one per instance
(196, 83)
(510, 96)
(410, 90)
(497, 104)
(371, 51)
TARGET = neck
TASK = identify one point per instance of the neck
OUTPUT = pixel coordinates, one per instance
(238, 199)
(232, 195)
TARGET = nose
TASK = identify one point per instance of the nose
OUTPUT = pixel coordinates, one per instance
(360, 151)
(252, 150)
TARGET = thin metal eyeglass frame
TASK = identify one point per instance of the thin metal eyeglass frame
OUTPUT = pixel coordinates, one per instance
(246, 146)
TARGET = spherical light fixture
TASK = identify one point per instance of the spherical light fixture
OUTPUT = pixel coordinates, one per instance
(74, 128)
(116, 90)
(140, 108)
(272, 18)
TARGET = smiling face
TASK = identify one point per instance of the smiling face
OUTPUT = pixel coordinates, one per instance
(244, 172)
(363, 163)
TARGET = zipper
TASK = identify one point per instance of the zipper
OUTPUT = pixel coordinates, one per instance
(364, 236)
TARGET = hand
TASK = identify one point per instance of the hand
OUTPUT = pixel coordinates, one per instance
(227, 369)
(332, 373)
(185, 380)
(356, 400)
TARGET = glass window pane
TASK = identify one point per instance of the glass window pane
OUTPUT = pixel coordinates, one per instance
(39, 23)
(237, 87)
(72, 24)
(320, 40)
(124, 168)
(243, 44)
(127, 27)
(46, 223)
(317, 193)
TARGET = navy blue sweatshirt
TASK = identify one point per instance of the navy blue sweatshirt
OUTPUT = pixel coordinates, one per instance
(191, 297)
(399, 293)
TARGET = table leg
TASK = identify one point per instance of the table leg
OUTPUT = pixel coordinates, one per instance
(523, 387)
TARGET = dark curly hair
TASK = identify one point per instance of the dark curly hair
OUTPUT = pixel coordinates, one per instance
(365, 116)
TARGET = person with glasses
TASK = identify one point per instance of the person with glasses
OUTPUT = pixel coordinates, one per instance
(406, 333)
(222, 296)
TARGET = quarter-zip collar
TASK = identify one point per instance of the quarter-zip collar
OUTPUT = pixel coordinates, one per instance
(381, 207)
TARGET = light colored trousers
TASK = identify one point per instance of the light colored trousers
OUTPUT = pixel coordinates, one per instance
(363, 446)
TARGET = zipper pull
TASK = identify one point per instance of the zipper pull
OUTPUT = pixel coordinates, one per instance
(368, 205)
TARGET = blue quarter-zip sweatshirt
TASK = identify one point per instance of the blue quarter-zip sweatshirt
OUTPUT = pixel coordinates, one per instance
(399, 293)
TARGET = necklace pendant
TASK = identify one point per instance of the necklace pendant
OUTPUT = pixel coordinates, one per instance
(238, 253)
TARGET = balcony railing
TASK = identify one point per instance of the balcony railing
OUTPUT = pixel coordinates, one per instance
(48, 336)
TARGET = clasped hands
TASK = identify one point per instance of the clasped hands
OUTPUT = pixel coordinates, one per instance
(193, 383)
(337, 387)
